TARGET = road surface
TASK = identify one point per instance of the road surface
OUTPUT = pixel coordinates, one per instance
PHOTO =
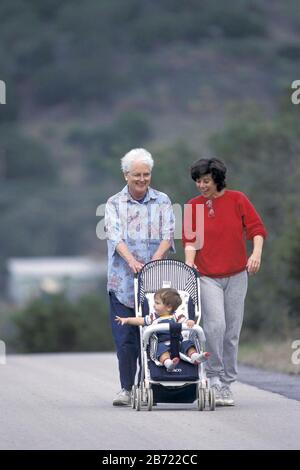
(64, 402)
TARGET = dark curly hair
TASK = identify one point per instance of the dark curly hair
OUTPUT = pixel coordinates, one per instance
(210, 166)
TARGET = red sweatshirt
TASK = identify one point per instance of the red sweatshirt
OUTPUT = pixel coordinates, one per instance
(229, 221)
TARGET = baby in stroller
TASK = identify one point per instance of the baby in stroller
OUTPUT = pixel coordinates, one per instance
(166, 302)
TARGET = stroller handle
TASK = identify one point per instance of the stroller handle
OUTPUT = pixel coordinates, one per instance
(166, 327)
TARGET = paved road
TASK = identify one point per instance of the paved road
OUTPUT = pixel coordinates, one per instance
(64, 402)
(284, 384)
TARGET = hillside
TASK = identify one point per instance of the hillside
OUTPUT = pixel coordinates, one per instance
(86, 81)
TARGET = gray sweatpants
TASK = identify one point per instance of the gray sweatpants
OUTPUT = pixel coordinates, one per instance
(222, 305)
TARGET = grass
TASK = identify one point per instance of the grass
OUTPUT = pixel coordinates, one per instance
(278, 355)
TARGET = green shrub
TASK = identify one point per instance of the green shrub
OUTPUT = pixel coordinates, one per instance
(57, 325)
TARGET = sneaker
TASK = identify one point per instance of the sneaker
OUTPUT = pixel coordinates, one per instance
(123, 398)
(227, 396)
(218, 394)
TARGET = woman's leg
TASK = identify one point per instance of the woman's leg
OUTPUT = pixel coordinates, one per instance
(213, 314)
(235, 293)
(126, 339)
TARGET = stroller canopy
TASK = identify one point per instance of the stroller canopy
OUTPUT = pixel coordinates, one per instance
(167, 273)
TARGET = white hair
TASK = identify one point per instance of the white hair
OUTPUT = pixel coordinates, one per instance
(136, 156)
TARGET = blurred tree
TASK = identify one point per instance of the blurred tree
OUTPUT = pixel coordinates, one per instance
(255, 150)
(262, 157)
(171, 21)
(24, 158)
(8, 112)
(74, 52)
(61, 221)
(171, 172)
(105, 147)
(288, 259)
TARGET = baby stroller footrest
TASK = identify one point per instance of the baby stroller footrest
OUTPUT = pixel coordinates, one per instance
(184, 371)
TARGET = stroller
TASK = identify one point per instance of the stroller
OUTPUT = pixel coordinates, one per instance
(187, 382)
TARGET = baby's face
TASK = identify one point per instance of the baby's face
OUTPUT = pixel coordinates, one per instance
(159, 307)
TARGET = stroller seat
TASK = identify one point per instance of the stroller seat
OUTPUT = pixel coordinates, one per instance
(187, 382)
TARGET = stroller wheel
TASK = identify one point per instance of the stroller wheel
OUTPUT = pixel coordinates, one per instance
(150, 399)
(201, 399)
(138, 399)
(212, 399)
(133, 396)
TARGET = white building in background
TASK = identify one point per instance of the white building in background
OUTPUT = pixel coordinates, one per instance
(29, 278)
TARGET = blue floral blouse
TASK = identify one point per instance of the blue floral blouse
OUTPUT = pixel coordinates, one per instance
(142, 226)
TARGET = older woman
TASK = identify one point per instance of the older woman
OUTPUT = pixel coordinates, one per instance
(222, 262)
(139, 223)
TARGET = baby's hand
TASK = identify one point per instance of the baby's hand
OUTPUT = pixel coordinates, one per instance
(190, 323)
(120, 320)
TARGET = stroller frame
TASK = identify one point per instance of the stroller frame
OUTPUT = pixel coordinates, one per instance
(148, 391)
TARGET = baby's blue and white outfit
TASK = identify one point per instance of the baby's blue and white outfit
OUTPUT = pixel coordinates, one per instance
(164, 341)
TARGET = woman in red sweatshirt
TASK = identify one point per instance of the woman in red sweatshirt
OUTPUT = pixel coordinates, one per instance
(216, 226)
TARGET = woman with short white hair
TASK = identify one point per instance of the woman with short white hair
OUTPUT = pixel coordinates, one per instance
(136, 156)
(140, 226)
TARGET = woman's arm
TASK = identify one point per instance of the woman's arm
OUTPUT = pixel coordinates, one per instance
(114, 235)
(190, 253)
(123, 251)
(254, 260)
(167, 231)
(161, 250)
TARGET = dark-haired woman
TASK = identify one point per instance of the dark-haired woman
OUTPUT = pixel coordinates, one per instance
(219, 254)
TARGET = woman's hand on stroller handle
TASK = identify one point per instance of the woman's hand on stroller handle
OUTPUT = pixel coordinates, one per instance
(135, 265)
